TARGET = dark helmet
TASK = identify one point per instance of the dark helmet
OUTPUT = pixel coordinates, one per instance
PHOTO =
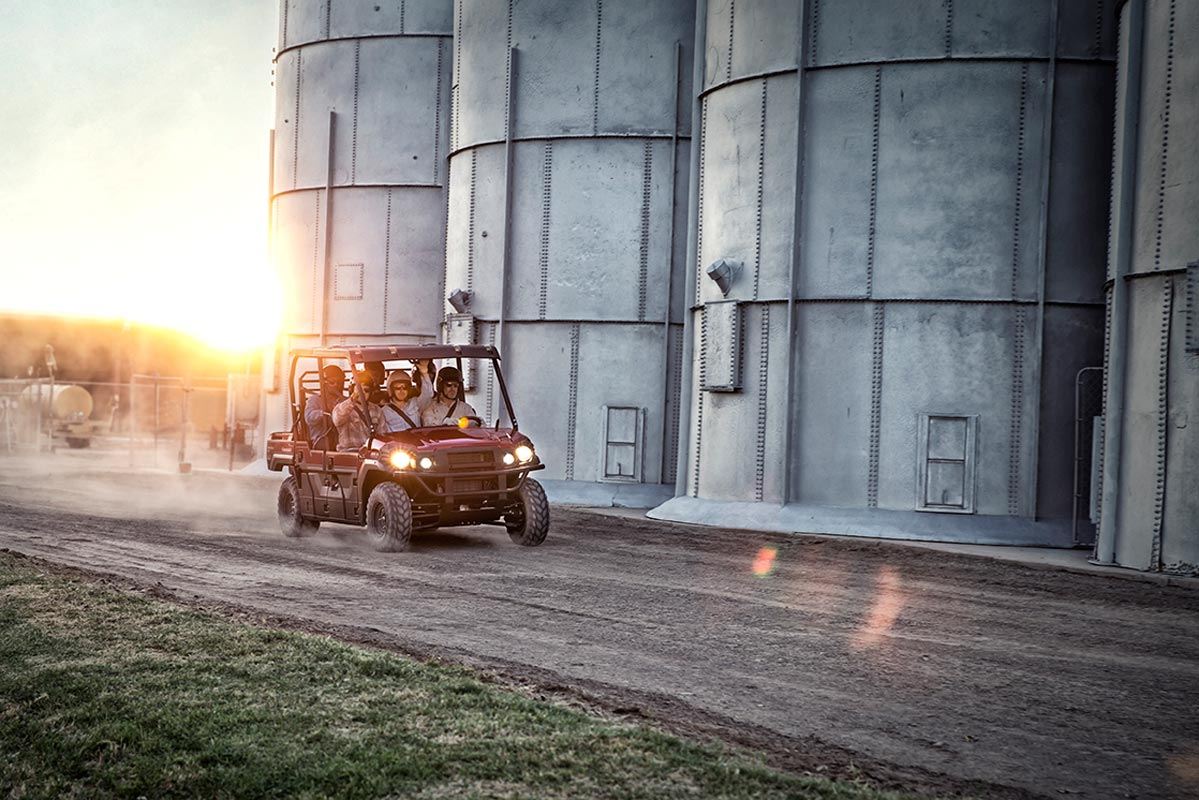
(449, 375)
(333, 375)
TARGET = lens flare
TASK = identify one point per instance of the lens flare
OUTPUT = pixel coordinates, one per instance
(889, 600)
(764, 561)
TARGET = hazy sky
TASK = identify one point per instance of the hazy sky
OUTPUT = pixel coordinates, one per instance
(133, 159)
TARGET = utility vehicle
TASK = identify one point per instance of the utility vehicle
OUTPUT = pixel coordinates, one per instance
(469, 473)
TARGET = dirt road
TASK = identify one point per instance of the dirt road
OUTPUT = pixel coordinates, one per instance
(920, 669)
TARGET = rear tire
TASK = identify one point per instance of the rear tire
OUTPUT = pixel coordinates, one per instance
(529, 522)
(291, 521)
(389, 518)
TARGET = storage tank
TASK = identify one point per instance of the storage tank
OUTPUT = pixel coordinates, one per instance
(1149, 509)
(567, 219)
(903, 308)
(358, 200)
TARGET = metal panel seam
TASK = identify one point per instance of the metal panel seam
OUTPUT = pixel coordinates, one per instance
(763, 409)
(1163, 417)
(386, 260)
(876, 403)
(572, 402)
(948, 28)
(1016, 430)
(1020, 145)
(543, 258)
(599, 28)
(436, 111)
(761, 186)
(647, 179)
(1164, 149)
(873, 226)
(354, 124)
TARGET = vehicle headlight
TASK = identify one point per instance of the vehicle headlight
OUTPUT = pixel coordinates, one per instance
(402, 459)
(426, 463)
(524, 453)
(509, 459)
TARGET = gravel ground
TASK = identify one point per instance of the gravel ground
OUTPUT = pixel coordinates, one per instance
(915, 669)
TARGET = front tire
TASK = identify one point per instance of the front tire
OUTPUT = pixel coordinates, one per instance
(529, 522)
(291, 521)
(389, 518)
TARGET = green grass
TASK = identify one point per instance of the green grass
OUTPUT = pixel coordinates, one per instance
(105, 694)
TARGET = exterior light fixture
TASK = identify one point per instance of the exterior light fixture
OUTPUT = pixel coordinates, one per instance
(724, 271)
(460, 300)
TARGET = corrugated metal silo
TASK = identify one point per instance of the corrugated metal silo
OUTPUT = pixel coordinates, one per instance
(358, 203)
(1150, 497)
(567, 215)
(917, 292)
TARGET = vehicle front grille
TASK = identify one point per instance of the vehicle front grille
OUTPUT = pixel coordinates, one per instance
(471, 460)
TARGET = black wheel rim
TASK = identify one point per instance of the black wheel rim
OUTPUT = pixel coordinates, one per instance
(379, 520)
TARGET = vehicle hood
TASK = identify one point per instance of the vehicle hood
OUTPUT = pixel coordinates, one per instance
(452, 437)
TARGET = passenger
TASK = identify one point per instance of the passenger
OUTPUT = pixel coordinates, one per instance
(423, 376)
(379, 375)
(357, 415)
(447, 406)
(403, 409)
(318, 408)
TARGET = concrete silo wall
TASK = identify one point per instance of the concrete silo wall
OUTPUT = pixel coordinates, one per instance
(358, 214)
(942, 237)
(567, 221)
(1150, 499)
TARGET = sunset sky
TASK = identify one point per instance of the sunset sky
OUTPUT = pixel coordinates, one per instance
(133, 165)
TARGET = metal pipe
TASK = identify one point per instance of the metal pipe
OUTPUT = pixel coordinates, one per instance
(1042, 248)
(685, 393)
(1113, 413)
(793, 266)
(506, 257)
(327, 231)
(674, 159)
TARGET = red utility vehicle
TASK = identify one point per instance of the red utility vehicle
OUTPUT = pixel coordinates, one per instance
(419, 479)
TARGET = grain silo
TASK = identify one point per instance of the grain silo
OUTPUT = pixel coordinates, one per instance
(1150, 485)
(566, 228)
(891, 306)
(358, 179)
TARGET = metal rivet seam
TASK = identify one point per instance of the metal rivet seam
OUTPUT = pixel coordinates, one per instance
(699, 224)
(1163, 417)
(1191, 343)
(572, 402)
(286, 6)
(1107, 357)
(456, 94)
(647, 180)
(316, 245)
(543, 256)
(599, 25)
(386, 260)
(337, 295)
(873, 227)
(763, 386)
(948, 28)
(295, 134)
(470, 223)
(728, 65)
(403, 11)
(675, 395)
(761, 187)
(813, 31)
(1016, 434)
(701, 395)
(508, 66)
(437, 109)
(491, 377)
(1097, 44)
(354, 126)
(328, 15)
(1165, 145)
(876, 403)
(1020, 145)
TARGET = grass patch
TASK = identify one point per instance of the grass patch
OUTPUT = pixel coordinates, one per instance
(107, 694)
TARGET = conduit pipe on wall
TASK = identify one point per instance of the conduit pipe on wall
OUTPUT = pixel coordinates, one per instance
(793, 266)
(327, 232)
(674, 166)
(697, 133)
(1042, 255)
(506, 253)
(1113, 413)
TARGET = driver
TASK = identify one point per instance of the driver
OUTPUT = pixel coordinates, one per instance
(404, 402)
(357, 415)
(447, 405)
(317, 408)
